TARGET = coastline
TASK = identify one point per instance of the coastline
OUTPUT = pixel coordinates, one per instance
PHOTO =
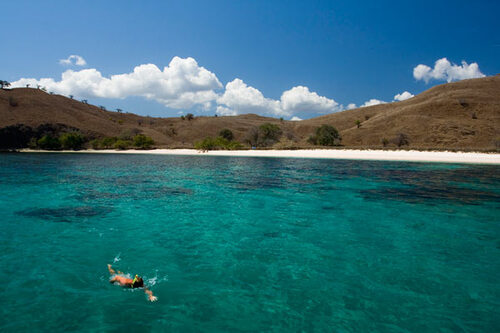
(350, 154)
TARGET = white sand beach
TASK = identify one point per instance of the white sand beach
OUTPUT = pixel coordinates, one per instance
(381, 155)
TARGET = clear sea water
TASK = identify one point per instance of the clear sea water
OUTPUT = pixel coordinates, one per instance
(248, 244)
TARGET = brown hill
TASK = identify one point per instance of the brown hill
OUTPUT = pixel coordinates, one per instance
(461, 115)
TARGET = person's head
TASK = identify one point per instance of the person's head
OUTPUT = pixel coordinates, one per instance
(137, 282)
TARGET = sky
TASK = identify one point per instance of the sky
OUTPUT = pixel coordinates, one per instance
(290, 59)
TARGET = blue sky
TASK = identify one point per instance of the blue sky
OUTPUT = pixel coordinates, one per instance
(336, 52)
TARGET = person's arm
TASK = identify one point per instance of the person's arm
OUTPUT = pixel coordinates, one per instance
(151, 298)
(111, 270)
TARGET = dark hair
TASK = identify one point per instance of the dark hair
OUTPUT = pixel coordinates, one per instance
(138, 283)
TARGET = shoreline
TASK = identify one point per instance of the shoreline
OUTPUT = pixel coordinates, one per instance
(349, 154)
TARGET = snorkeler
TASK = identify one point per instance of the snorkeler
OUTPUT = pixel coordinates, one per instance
(123, 281)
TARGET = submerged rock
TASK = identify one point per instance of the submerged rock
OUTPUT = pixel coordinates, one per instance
(65, 214)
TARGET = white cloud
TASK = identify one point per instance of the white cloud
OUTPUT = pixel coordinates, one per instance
(445, 71)
(295, 118)
(300, 99)
(372, 102)
(240, 98)
(223, 111)
(351, 106)
(182, 84)
(403, 96)
(73, 60)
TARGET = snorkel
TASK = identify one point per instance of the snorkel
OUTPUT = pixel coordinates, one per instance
(134, 280)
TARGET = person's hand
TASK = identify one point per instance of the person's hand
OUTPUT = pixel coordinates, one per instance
(153, 298)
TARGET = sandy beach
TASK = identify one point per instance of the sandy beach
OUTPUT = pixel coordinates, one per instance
(381, 155)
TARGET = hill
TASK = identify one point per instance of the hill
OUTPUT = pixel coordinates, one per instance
(460, 115)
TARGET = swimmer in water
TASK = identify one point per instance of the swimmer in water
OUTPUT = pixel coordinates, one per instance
(123, 281)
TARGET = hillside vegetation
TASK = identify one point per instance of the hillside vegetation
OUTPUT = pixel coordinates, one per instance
(463, 115)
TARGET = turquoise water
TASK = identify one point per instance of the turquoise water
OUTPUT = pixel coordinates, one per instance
(248, 244)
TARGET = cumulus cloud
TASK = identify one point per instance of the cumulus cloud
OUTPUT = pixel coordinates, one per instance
(403, 96)
(295, 118)
(445, 71)
(240, 98)
(182, 84)
(73, 60)
(300, 99)
(351, 106)
(372, 102)
(224, 111)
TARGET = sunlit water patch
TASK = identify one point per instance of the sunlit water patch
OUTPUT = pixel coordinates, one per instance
(248, 244)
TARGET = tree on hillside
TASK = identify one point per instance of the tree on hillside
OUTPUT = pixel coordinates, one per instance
(326, 135)
(102, 107)
(226, 134)
(71, 96)
(27, 85)
(401, 140)
(119, 110)
(358, 123)
(4, 84)
(265, 135)
(269, 134)
(252, 136)
(84, 101)
(189, 116)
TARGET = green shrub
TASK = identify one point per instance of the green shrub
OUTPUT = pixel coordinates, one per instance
(205, 144)
(252, 136)
(189, 116)
(95, 144)
(122, 144)
(49, 142)
(226, 134)
(326, 135)
(73, 141)
(33, 143)
(385, 142)
(142, 141)
(401, 140)
(108, 142)
(218, 143)
(269, 132)
(265, 135)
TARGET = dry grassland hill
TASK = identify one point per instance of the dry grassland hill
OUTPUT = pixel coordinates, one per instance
(463, 115)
